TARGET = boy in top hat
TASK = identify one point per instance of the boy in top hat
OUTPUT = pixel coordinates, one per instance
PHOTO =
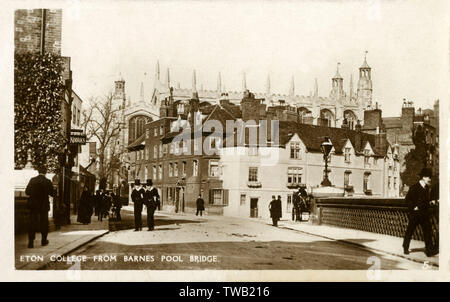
(418, 200)
(152, 198)
(137, 199)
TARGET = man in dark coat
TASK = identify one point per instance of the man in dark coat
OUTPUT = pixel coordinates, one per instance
(200, 205)
(39, 189)
(152, 197)
(137, 199)
(418, 201)
(275, 210)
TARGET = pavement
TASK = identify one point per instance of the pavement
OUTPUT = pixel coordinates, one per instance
(373, 241)
(72, 238)
(61, 242)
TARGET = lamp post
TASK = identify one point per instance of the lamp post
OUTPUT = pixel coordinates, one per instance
(326, 148)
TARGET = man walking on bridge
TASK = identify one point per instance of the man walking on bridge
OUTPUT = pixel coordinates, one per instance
(418, 201)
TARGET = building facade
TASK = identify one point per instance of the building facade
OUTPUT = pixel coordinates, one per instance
(337, 108)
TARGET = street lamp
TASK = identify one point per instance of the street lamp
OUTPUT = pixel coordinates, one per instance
(326, 148)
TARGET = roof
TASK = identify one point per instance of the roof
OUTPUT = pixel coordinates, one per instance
(365, 65)
(137, 144)
(312, 136)
(392, 122)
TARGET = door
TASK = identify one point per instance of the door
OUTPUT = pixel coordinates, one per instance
(254, 207)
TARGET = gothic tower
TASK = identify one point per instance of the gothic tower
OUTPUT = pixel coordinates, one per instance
(364, 92)
(337, 90)
(119, 97)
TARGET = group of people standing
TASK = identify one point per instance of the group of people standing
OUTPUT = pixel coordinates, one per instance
(145, 194)
(300, 205)
(99, 204)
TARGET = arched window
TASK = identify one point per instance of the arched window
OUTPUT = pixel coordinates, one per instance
(351, 119)
(327, 118)
(137, 127)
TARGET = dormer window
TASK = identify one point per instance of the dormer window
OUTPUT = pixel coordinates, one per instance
(295, 150)
(366, 156)
(347, 155)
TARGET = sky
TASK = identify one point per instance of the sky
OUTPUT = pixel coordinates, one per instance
(406, 41)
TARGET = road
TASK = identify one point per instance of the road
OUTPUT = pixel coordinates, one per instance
(225, 244)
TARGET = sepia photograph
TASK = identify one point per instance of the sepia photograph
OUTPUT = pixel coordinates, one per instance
(216, 136)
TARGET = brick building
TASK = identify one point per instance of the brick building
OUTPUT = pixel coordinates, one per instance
(400, 131)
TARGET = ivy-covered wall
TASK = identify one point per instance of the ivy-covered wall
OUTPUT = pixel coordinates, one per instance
(38, 97)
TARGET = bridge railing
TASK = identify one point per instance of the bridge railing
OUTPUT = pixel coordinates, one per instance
(376, 215)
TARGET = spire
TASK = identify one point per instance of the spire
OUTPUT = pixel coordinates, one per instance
(157, 70)
(219, 83)
(316, 88)
(365, 65)
(337, 76)
(244, 82)
(194, 82)
(351, 86)
(168, 77)
(142, 91)
(292, 88)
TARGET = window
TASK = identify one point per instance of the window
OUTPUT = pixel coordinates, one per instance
(155, 131)
(78, 117)
(366, 182)
(175, 169)
(389, 182)
(160, 172)
(347, 178)
(145, 173)
(375, 161)
(214, 169)
(171, 148)
(154, 172)
(395, 183)
(295, 150)
(183, 169)
(142, 154)
(138, 155)
(74, 113)
(366, 157)
(294, 175)
(195, 168)
(160, 150)
(347, 155)
(161, 130)
(216, 197)
(253, 174)
(155, 151)
(243, 197)
(147, 133)
(170, 169)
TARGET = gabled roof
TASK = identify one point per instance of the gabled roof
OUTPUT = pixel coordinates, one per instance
(313, 136)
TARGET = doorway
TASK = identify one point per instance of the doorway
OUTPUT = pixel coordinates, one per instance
(253, 207)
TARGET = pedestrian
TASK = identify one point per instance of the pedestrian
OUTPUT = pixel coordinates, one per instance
(96, 202)
(101, 205)
(107, 202)
(38, 189)
(117, 205)
(200, 205)
(295, 206)
(152, 198)
(137, 199)
(418, 201)
(275, 210)
(85, 207)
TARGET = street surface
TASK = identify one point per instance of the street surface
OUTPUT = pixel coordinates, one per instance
(217, 242)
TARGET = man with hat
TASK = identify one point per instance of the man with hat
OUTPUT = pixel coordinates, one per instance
(39, 189)
(136, 197)
(275, 210)
(418, 201)
(152, 199)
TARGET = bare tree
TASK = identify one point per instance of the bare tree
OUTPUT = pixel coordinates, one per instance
(101, 122)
